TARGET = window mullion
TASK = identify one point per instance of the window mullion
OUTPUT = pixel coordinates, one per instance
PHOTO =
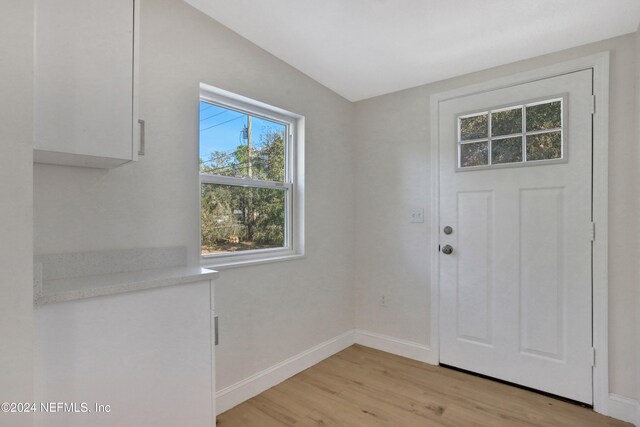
(524, 134)
(489, 136)
(243, 182)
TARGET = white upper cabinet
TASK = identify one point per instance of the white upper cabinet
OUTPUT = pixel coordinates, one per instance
(85, 88)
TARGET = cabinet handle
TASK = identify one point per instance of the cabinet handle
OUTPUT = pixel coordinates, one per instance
(215, 330)
(141, 147)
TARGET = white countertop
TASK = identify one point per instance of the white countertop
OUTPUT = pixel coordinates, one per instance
(75, 288)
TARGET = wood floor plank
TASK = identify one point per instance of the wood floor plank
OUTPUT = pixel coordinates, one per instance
(363, 387)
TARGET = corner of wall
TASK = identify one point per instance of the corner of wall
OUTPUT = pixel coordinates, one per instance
(637, 313)
(247, 388)
(624, 409)
(16, 215)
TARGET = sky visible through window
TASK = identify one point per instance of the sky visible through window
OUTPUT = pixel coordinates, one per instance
(221, 130)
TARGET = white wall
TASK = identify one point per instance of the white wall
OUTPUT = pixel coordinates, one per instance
(16, 183)
(267, 313)
(392, 162)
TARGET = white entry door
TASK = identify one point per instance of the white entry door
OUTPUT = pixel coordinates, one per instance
(515, 190)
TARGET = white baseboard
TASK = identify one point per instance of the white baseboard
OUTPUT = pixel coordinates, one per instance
(243, 390)
(624, 408)
(409, 349)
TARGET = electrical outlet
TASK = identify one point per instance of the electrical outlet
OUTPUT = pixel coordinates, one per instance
(416, 215)
(383, 300)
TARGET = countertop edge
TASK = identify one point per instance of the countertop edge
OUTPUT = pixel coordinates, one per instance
(120, 287)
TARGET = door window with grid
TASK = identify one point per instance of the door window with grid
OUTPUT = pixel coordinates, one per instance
(511, 136)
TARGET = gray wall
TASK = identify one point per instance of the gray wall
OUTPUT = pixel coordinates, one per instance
(16, 228)
(637, 265)
(268, 312)
(392, 162)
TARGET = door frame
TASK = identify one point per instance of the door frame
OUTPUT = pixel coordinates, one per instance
(599, 63)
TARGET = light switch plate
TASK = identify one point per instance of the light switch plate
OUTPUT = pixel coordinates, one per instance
(416, 215)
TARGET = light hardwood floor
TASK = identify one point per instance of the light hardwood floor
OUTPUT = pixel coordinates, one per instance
(368, 388)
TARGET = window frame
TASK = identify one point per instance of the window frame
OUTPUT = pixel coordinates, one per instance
(292, 186)
(563, 129)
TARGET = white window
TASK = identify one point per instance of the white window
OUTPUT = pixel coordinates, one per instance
(251, 180)
(516, 135)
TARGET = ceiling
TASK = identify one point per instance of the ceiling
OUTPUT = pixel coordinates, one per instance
(365, 48)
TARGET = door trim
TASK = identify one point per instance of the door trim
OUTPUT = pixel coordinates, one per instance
(599, 63)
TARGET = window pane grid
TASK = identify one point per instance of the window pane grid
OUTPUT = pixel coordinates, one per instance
(496, 143)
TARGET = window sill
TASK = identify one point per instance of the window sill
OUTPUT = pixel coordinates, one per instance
(224, 264)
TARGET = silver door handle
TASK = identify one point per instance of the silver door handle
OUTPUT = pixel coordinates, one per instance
(447, 249)
(141, 147)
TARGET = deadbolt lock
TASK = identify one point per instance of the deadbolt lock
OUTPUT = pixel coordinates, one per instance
(448, 230)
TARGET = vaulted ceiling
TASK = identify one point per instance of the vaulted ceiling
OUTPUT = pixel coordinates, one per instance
(365, 48)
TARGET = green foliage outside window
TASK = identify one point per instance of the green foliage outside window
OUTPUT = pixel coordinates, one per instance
(237, 218)
(543, 119)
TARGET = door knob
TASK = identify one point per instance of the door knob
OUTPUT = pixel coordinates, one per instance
(447, 249)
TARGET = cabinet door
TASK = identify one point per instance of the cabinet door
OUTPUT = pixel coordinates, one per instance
(146, 354)
(84, 80)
